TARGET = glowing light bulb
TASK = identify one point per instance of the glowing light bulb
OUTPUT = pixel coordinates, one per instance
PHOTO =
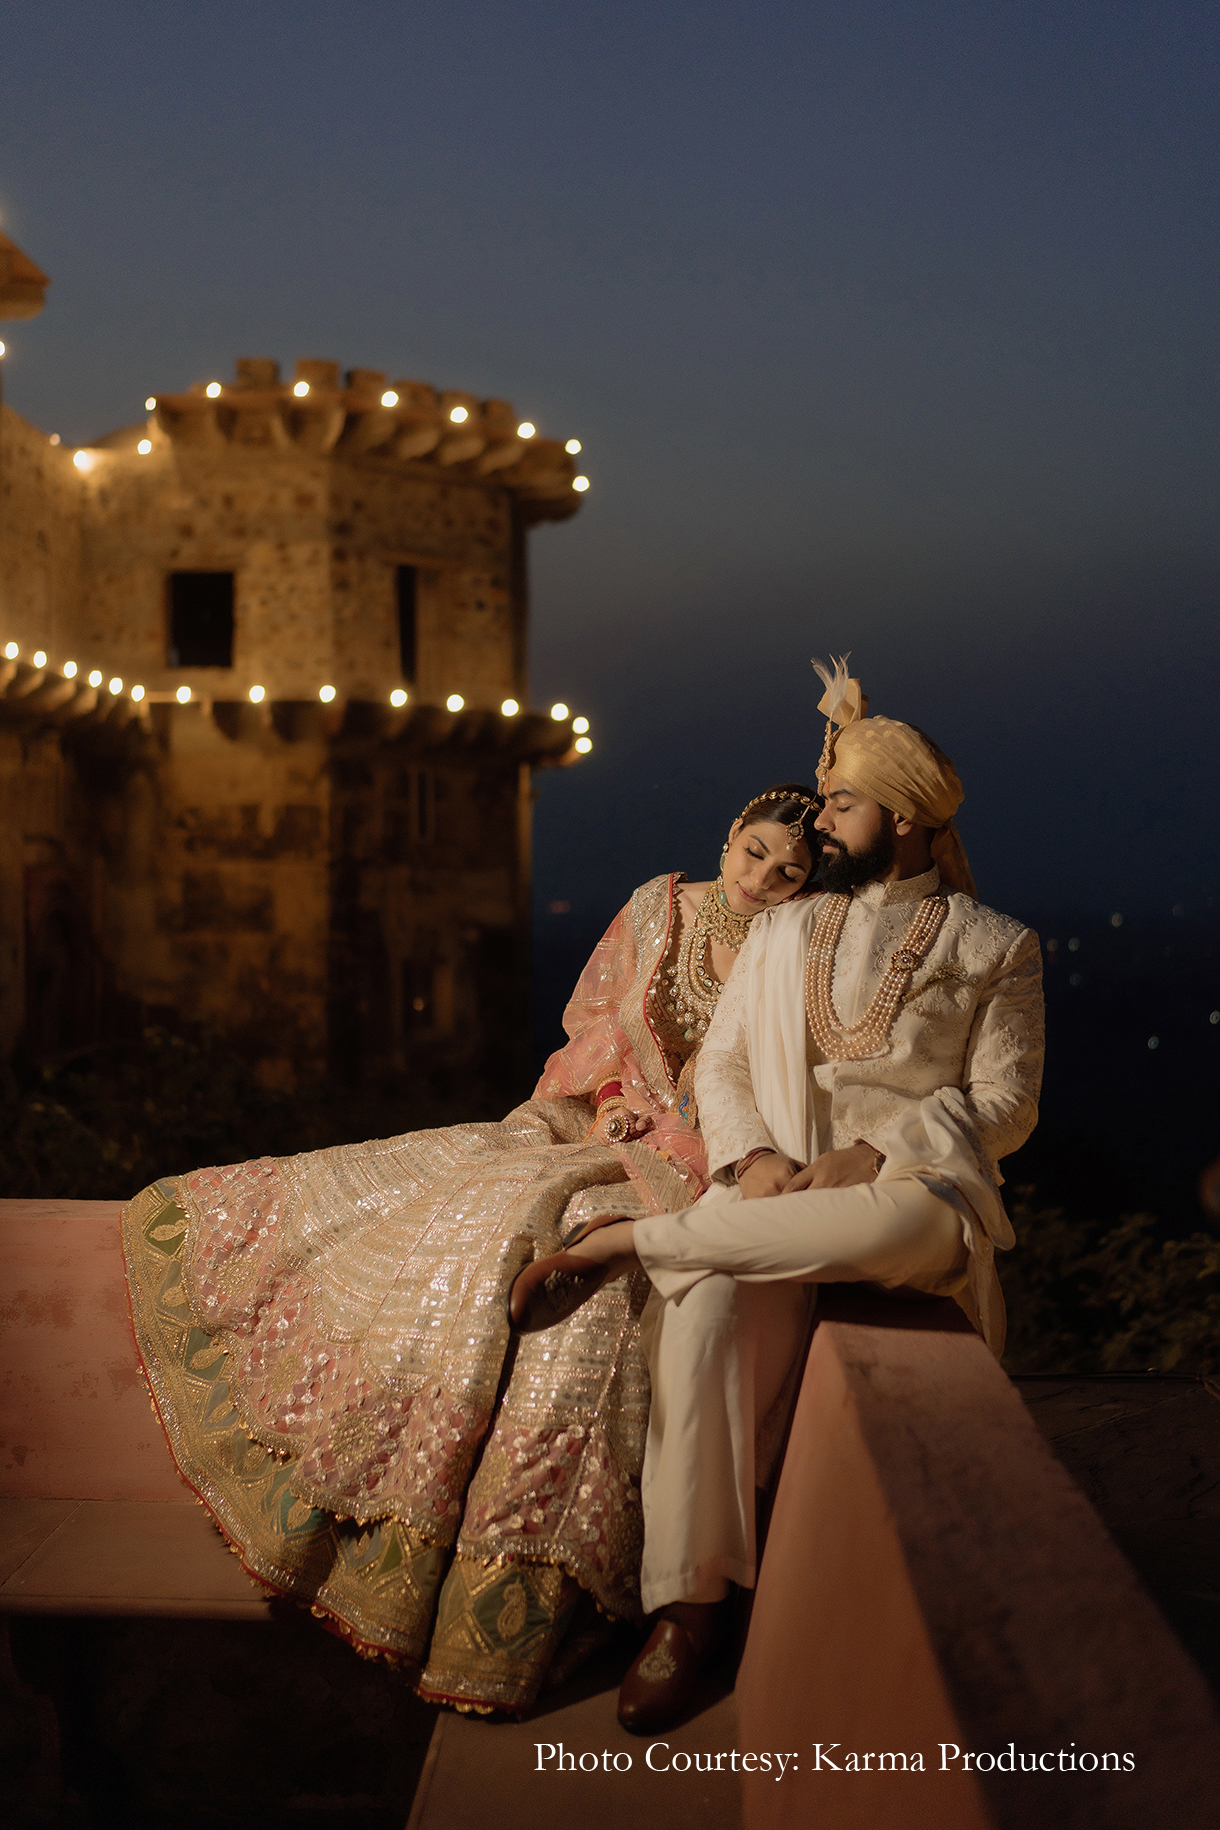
(183, 694)
(300, 389)
(212, 390)
(116, 686)
(82, 460)
(398, 696)
(580, 484)
(95, 678)
(144, 447)
(69, 670)
(458, 414)
(257, 694)
(11, 651)
(326, 694)
(584, 745)
(510, 708)
(559, 711)
(1, 349)
(526, 429)
(580, 726)
(150, 404)
(40, 657)
(389, 398)
(137, 693)
(572, 446)
(454, 702)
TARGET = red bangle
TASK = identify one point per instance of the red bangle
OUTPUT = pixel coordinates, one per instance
(740, 1167)
(609, 1089)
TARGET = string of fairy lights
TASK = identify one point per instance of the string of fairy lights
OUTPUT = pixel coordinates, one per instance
(582, 743)
(85, 458)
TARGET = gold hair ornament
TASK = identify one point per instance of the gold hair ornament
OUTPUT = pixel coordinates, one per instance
(795, 831)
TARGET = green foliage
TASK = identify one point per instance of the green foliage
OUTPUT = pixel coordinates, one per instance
(1086, 1297)
(106, 1125)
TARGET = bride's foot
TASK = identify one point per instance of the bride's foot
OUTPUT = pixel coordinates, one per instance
(550, 1289)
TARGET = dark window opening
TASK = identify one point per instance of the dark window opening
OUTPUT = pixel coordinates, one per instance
(201, 619)
(407, 577)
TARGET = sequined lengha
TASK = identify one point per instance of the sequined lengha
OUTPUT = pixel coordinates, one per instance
(326, 1340)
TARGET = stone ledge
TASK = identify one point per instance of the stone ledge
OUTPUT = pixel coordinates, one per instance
(932, 1574)
(130, 1558)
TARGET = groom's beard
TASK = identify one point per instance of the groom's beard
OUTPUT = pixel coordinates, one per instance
(840, 870)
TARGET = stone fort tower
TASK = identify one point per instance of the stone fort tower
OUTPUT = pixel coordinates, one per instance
(265, 750)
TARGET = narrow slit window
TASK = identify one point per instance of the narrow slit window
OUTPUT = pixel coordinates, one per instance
(200, 619)
(423, 806)
(407, 594)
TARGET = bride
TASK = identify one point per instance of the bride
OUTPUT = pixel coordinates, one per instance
(326, 1340)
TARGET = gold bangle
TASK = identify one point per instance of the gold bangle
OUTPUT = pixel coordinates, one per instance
(878, 1155)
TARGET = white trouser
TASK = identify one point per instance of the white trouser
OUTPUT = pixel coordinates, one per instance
(726, 1319)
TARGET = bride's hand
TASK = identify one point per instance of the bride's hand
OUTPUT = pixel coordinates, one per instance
(768, 1174)
(637, 1124)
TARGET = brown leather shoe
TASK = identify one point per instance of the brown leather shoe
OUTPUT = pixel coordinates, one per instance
(550, 1289)
(661, 1682)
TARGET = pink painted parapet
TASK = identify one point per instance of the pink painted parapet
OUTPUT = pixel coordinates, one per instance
(75, 1417)
(932, 1575)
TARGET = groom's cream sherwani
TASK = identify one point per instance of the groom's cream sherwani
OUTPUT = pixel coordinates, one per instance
(953, 1090)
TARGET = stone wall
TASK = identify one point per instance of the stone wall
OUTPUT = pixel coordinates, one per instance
(40, 537)
(335, 884)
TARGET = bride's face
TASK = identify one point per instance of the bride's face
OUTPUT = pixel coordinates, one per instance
(761, 867)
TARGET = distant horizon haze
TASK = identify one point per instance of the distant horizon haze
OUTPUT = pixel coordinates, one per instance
(889, 329)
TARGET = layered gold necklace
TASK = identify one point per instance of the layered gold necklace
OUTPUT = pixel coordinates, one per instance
(692, 992)
(869, 1035)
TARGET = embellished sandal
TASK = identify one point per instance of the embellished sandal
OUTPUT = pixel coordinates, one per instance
(550, 1289)
(591, 1226)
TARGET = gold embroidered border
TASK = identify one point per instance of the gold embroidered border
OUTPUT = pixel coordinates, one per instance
(377, 1582)
(652, 914)
(498, 1627)
(499, 1621)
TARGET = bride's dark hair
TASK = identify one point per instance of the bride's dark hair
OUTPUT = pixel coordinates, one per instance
(787, 804)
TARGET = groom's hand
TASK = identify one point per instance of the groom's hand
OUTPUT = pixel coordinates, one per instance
(767, 1175)
(836, 1169)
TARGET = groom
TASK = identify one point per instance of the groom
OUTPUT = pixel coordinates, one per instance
(876, 1049)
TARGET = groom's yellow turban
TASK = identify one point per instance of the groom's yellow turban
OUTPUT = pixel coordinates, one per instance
(897, 765)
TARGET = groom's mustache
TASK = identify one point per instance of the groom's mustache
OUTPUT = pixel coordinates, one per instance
(835, 844)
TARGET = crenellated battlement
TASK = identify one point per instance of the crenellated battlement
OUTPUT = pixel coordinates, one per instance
(368, 416)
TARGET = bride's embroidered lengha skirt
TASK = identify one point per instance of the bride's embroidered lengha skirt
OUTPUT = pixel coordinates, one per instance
(326, 1341)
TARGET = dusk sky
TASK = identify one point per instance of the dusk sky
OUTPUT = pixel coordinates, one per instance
(886, 327)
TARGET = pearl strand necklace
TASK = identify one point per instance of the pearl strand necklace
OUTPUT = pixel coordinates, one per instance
(871, 1032)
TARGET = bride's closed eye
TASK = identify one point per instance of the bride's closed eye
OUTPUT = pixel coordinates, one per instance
(788, 874)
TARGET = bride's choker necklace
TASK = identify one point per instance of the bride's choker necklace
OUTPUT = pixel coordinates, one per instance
(693, 990)
(721, 922)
